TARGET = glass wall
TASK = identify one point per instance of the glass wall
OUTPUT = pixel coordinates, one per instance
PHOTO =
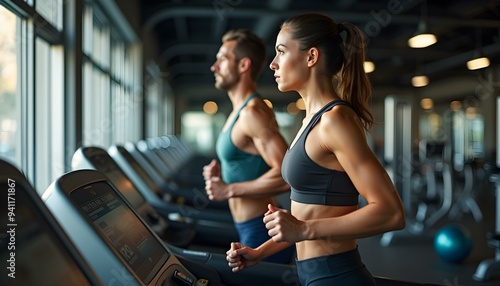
(10, 96)
(49, 116)
(112, 102)
(35, 111)
(51, 11)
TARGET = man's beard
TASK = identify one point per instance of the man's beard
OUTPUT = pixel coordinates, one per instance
(227, 83)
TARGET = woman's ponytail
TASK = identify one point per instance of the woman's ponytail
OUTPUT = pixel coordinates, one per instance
(353, 83)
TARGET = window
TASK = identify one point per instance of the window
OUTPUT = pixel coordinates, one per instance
(10, 95)
(32, 117)
(96, 84)
(49, 115)
(160, 103)
(112, 111)
(52, 11)
(34, 97)
(126, 106)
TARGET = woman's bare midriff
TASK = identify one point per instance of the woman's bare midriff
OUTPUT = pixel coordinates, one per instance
(244, 209)
(321, 247)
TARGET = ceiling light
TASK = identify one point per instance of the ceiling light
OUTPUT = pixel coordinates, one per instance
(422, 38)
(478, 63)
(369, 66)
(419, 81)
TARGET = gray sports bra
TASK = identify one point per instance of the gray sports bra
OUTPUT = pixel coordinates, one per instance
(311, 183)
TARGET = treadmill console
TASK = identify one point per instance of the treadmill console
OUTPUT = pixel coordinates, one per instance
(123, 232)
(108, 232)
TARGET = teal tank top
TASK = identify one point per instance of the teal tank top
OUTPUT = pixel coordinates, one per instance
(237, 165)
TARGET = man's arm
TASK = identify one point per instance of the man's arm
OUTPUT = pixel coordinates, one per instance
(261, 127)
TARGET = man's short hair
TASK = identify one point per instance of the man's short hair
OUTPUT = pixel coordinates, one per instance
(248, 45)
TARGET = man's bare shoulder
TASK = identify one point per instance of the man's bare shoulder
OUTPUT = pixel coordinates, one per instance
(257, 115)
(257, 109)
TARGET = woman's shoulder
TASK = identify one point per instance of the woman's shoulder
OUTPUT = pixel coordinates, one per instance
(341, 118)
(339, 112)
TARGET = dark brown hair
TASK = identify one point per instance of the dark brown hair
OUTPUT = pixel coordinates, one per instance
(248, 45)
(343, 61)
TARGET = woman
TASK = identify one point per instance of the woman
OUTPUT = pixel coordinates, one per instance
(329, 163)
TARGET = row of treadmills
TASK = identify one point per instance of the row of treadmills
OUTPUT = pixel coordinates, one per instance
(128, 215)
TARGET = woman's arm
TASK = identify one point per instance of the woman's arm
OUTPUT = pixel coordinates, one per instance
(241, 256)
(341, 133)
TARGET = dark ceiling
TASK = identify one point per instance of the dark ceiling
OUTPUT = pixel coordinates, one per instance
(189, 34)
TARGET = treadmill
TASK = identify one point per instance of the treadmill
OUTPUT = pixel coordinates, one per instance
(150, 149)
(123, 249)
(187, 226)
(191, 159)
(34, 250)
(175, 158)
(140, 171)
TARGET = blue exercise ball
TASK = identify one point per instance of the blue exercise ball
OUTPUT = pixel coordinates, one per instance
(453, 243)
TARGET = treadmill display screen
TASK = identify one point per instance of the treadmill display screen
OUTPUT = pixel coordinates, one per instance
(121, 229)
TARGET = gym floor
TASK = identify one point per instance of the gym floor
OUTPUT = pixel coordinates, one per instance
(412, 257)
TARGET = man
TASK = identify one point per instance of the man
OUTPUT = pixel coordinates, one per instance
(250, 147)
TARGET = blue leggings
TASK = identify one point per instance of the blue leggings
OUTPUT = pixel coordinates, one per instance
(253, 233)
(339, 269)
